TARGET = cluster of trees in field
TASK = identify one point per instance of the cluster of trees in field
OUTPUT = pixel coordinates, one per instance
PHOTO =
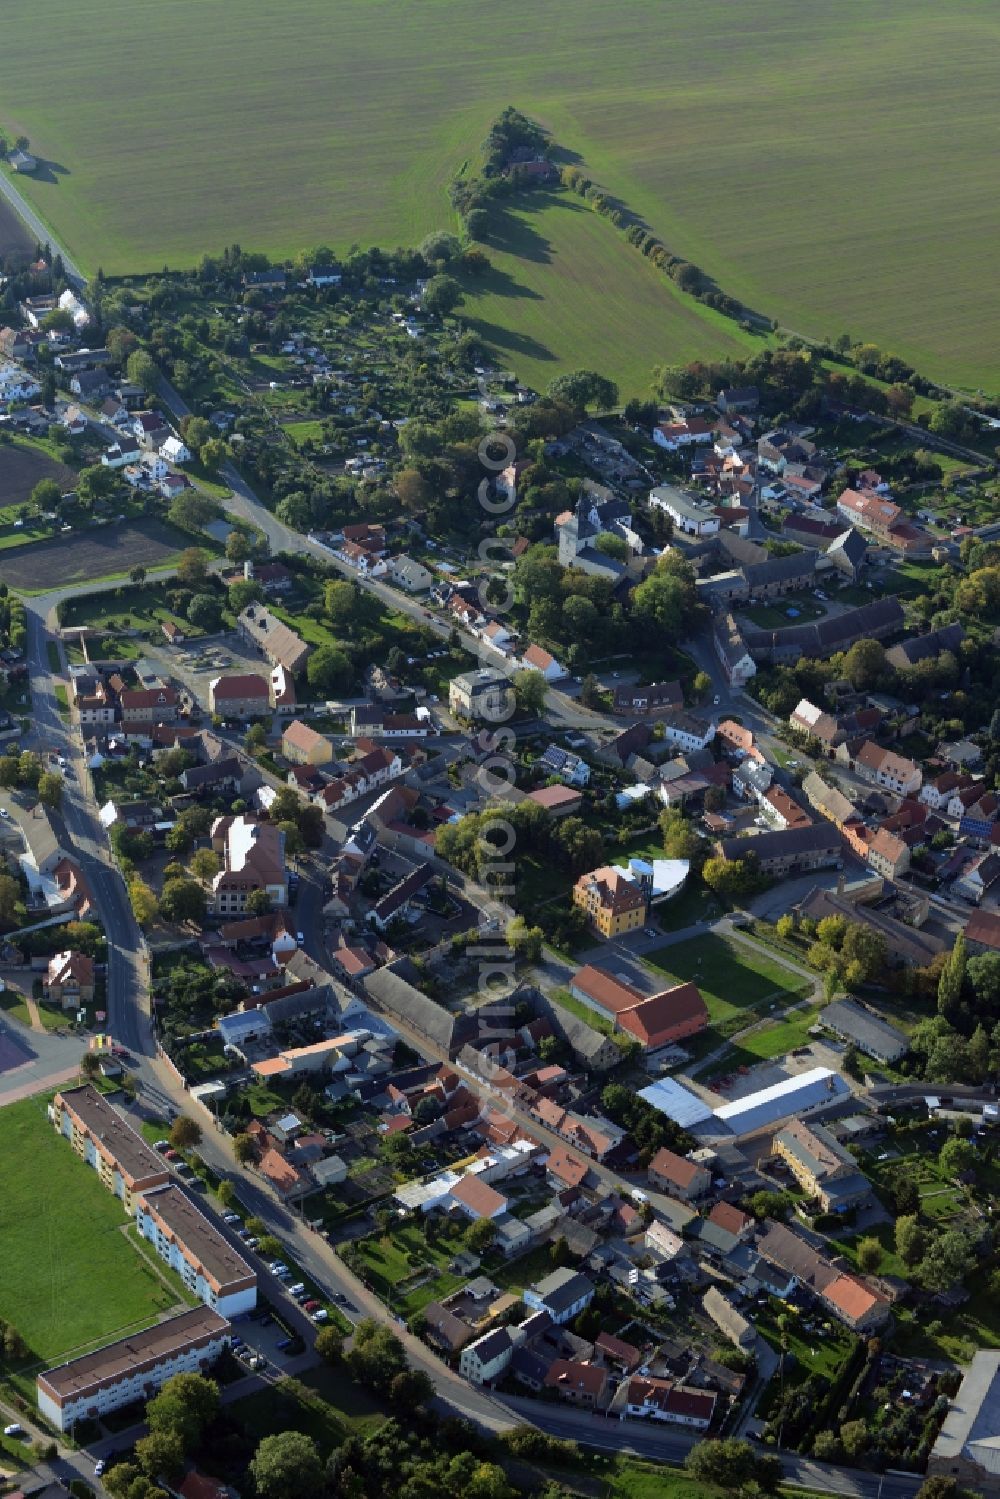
(511, 135)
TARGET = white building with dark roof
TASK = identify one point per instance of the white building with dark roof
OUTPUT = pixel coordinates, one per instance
(133, 1369)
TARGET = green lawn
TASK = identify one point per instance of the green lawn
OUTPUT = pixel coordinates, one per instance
(12, 1003)
(772, 1039)
(593, 1018)
(692, 905)
(876, 103)
(388, 1261)
(323, 1403)
(820, 1352)
(776, 616)
(732, 978)
(70, 1276)
(132, 607)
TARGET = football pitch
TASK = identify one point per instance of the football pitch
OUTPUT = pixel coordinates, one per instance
(830, 164)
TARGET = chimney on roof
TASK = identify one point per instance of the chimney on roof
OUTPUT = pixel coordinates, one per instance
(841, 884)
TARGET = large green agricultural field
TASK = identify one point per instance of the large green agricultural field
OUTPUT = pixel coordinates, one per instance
(833, 167)
(567, 290)
(71, 1277)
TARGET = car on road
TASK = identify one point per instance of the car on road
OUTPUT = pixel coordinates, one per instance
(284, 1344)
(716, 700)
(4, 812)
(15, 1429)
(300, 938)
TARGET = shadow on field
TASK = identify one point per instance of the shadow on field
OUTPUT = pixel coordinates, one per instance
(510, 341)
(500, 283)
(49, 171)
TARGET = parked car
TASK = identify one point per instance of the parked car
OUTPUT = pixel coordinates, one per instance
(99, 1466)
(311, 1305)
(321, 1316)
(231, 1218)
(15, 1429)
(161, 1145)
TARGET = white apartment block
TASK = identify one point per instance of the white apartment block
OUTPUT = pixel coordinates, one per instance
(133, 1369)
(190, 1244)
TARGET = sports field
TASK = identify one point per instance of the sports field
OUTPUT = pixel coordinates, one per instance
(70, 1276)
(566, 291)
(733, 978)
(832, 164)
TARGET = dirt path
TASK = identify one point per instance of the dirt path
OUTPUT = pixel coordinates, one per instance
(33, 1012)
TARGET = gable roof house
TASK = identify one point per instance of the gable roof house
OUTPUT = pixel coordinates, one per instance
(967, 1448)
(924, 647)
(274, 639)
(536, 659)
(884, 768)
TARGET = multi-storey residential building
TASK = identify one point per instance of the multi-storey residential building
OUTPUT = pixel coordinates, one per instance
(206, 1262)
(93, 702)
(281, 690)
(693, 516)
(612, 902)
(125, 1163)
(688, 731)
(732, 651)
(871, 511)
(244, 696)
(302, 745)
(821, 1166)
(888, 855)
(132, 1369)
(678, 1176)
(486, 1359)
(481, 694)
(253, 858)
(143, 705)
(895, 772)
(562, 1294)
